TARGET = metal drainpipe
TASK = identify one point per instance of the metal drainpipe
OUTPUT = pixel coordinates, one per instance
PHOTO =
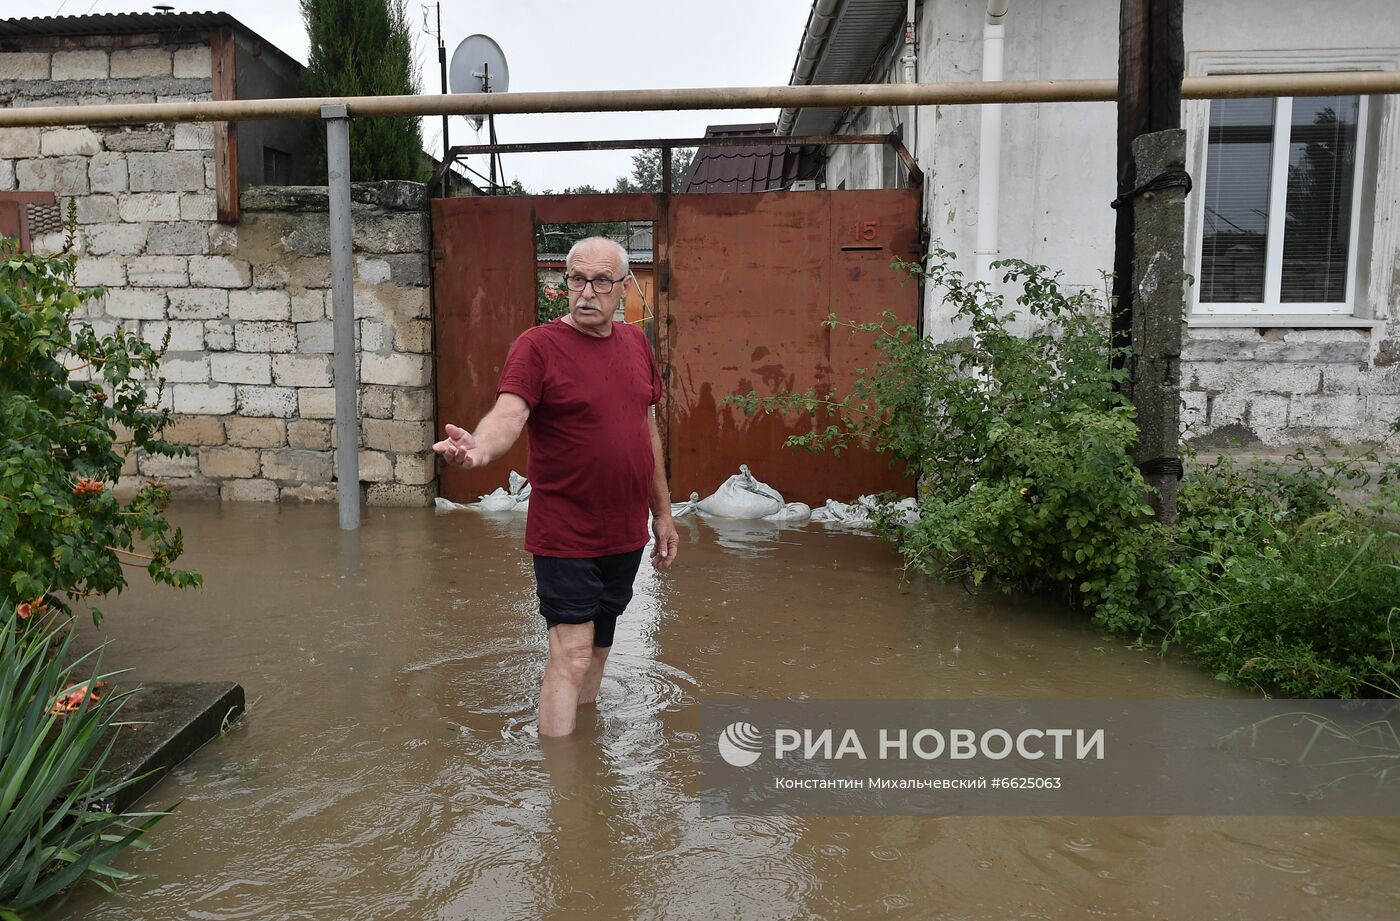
(989, 149)
(911, 72)
(347, 385)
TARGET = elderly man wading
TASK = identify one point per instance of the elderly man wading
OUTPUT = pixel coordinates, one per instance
(586, 388)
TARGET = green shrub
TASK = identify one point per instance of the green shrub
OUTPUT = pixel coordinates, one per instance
(63, 533)
(56, 828)
(65, 536)
(1282, 585)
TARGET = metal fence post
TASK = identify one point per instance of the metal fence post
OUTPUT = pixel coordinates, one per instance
(347, 383)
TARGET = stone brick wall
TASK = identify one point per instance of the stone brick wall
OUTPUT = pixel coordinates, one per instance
(265, 371)
(1272, 388)
(248, 368)
(247, 306)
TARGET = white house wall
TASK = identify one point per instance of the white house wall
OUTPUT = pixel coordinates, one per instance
(1264, 386)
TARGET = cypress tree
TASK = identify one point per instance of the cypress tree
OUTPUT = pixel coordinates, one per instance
(365, 48)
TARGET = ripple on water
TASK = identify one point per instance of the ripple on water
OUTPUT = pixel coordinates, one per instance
(1285, 864)
(639, 687)
(788, 884)
(499, 646)
(520, 728)
(780, 831)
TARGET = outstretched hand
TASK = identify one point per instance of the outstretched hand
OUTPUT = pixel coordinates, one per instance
(460, 448)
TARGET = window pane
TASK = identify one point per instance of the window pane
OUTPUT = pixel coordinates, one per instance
(1317, 224)
(1234, 235)
(277, 166)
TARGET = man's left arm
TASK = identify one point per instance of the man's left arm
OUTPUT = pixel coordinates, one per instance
(663, 526)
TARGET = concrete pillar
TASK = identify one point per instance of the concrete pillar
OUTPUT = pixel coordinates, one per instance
(1159, 224)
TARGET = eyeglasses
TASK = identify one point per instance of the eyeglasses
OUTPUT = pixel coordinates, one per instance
(600, 285)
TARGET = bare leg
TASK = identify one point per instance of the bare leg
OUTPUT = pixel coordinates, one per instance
(570, 656)
(588, 692)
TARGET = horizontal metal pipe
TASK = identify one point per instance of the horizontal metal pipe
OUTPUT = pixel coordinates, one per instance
(454, 154)
(758, 97)
(758, 140)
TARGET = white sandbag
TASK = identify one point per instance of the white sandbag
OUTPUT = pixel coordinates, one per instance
(679, 509)
(906, 510)
(834, 512)
(497, 501)
(516, 498)
(909, 510)
(742, 496)
(792, 511)
(861, 513)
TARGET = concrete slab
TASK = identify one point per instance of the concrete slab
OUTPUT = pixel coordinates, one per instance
(166, 722)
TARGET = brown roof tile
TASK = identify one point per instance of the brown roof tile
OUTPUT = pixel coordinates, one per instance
(756, 168)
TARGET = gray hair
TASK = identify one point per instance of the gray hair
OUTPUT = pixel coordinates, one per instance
(621, 252)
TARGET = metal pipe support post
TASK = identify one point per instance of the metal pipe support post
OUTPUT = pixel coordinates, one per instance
(347, 383)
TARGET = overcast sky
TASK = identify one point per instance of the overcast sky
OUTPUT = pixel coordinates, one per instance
(568, 45)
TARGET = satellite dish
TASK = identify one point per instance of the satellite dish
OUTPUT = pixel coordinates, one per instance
(477, 59)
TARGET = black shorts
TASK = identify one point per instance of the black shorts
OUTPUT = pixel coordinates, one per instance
(579, 590)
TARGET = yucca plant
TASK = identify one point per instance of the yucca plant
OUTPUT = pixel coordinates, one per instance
(56, 827)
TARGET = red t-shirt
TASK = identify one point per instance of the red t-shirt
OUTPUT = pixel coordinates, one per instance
(591, 458)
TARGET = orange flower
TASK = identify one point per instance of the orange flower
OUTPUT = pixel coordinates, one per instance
(71, 701)
(87, 487)
(24, 610)
(158, 484)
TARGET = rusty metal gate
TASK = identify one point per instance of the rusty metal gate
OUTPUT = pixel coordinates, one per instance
(743, 283)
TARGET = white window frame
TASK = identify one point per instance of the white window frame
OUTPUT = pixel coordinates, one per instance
(1273, 302)
(1375, 244)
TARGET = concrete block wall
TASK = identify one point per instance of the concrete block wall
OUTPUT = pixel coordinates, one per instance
(125, 181)
(1262, 388)
(247, 306)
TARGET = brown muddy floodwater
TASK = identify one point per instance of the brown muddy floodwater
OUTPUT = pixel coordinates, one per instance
(388, 767)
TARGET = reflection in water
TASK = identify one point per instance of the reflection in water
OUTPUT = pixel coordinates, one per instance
(390, 768)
